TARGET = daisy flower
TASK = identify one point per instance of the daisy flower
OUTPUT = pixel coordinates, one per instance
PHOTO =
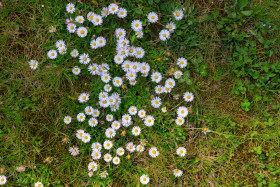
(156, 77)
(177, 172)
(62, 50)
(107, 144)
(76, 70)
(164, 35)
(163, 109)
(113, 8)
(167, 89)
(90, 174)
(119, 33)
(126, 120)
(122, 13)
(65, 140)
(182, 111)
(39, 184)
(82, 32)
(142, 113)
(84, 58)
(88, 110)
(92, 122)
(52, 54)
(67, 119)
(74, 53)
(178, 74)
(156, 102)
(149, 121)
(109, 117)
(80, 19)
(92, 166)
(144, 179)
(143, 142)
(171, 26)
(33, 64)
(152, 17)
(3, 179)
(60, 44)
(110, 133)
(116, 125)
(80, 133)
(140, 148)
(93, 69)
(145, 67)
(105, 12)
(105, 78)
(132, 82)
(136, 131)
(70, 8)
(131, 75)
(205, 130)
(74, 151)
(181, 151)
(107, 157)
(118, 59)
(52, 29)
(86, 138)
(96, 146)
(102, 95)
(97, 20)
(153, 152)
(188, 97)
(96, 155)
(101, 41)
(117, 81)
(180, 121)
(170, 83)
(90, 16)
(130, 147)
(95, 113)
(182, 62)
(107, 87)
(159, 89)
(81, 117)
(178, 14)
(93, 44)
(116, 160)
(139, 34)
(84, 97)
(136, 25)
(120, 151)
(132, 110)
(139, 52)
(176, 96)
(103, 174)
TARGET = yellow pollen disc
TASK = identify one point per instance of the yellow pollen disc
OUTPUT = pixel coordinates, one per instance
(114, 106)
(182, 111)
(140, 148)
(94, 44)
(96, 146)
(180, 120)
(159, 89)
(136, 25)
(95, 113)
(142, 113)
(170, 83)
(123, 52)
(131, 75)
(167, 88)
(111, 100)
(74, 53)
(154, 152)
(121, 12)
(178, 74)
(103, 96)
(182, 62)
(170, 27)
(65, 139)
(74, 150)
(97, 20)
(52, 54)
(76, 70)
(120, 33)
(139, 33)
(139, 52)
(188, 96)
(70, 8)
(86, 137)
(181, 151)
(132, 110)
(79, 19)
(107, 144)
(116, 160)
(126, 118)
(82, 31)
(177, 171)
(117, 81)
(92, 166)
(52, 28)
(164, 35)
(110, 132)
(113, 8)
(156, 102)
(136, 130)
(107, 157)
(93, 68)
(91, 16)
(33, 64)
(127, 66)
(67, 119)
(144, 67)
(204, 129)
(81, 117)
(131, 50)
(72, 27)
(84, 98)
(108, 89)
(62, 50)
(118, 58)
(60, 45)
(149, 121)
(106, 12)
(156, 77)
(144, 179)
(120, 151)
(92, 122)
(177, 14)
(96, 154)
(105, 102)
(106, 77)
(116, 125)
(101, 41)
(39, 185)
(134, 67)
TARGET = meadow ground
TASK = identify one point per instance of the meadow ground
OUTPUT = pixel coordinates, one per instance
(233, 70)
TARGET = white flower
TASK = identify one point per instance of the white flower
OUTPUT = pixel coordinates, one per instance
(97, 20)
(67, 119)
(139, 52)
(152, 17)
(131, 75)
(145, 67)
(105, 78)
(120, 151)
(92, 122)
(113, 8)
(153, 152)
(132, 110)
(120, 33)
(181, 151)
(149, 121)
(81, 117)
(74, 151)
(88, 110)
(82, 32)
(159, 89)
(60, 44)
(109, 117)
(76, 70)
(33, 64)
(86, 137)
(107, 87)
(156, 77)
(101, 41)
(178, 74)
(103, 174)
(188, 97)
(96, 146)
(180, 121)
(163, 109)
(126, 120)
(84, 58)
(70, 8)
(170, 83)
(144, 179)
(182, 62)
(143, 142)
(92, 166)
(107, 157)
(80, 133)
(3, 179)
(116, 160)
(116, 125)
(178, 14)
(37, 184)
(84, 97)
(107, 144)
(182, 111)
(164, 35)
(52, 29)
(105, 12)
(177, 172)
(176, 96)
(132, 82)
(167, 89)
(156, 102)
(74, 53)
(205, 130)
(94, 44)
(52, 54)
(110, 133)
(90, 16)
(136, 25)
(171, 26)
(140, 148)
(136, 131)
(139, 34)
(62, 50)
(130, 147)
(117, 81)
(96, 155)
(122, 13)
(95, 113)
(118, 59)
(80, 19)
(142, 113)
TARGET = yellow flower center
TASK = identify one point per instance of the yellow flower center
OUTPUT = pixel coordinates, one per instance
(126, 118)
(204, 129)
(81, 117)
(149, 121)
(39, 185)
(96, 154)
(182, 62)
(153, 17)
(101, 41)
(131, 75)
(181, 151)
(132, 110)
(79, 19)
(180, 120)
(159, 89)
(82, 31)
(170, 27)
(113, 8)
(106, 12)
(106, 77)
(52, 54)
(116, 160)
(144, 179)
(76, 70)
(156, 77)
(70, 8)
(123, 52)
(91, 17)
(92, 122)
(84, 98)
(156, 102)
(92, 166)
(86, 137)
(72, 27)
(136, 25)
(164, 35)
(178, 74)
(110, 132)
(120, 33)
(52, 28)
(154, 151)
(131, 50)
(139, 33)
(177, 14)
(136, 130)
(182, 111)
(62, 50)
(33, 64)
(138, 52)
(121, 13)
(96, 146)
(170, 83)
(94, 44)
(95, 113)
(97, 20)
(107, 157)
(74, 150)
(188, 96)
(108, 144)
(65, 139)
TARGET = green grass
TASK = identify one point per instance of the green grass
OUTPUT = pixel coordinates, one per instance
(241, 150)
